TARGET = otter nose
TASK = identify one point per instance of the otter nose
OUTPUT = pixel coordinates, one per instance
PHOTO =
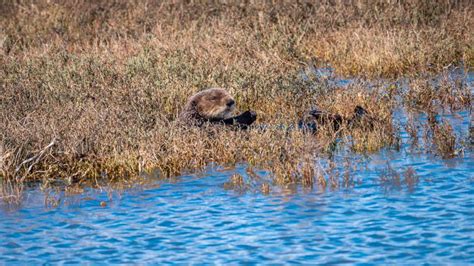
(230, 103)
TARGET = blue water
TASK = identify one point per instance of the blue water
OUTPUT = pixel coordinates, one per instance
(195, 220)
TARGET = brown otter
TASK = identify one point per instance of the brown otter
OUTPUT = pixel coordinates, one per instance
(313, 118)
(214, 105)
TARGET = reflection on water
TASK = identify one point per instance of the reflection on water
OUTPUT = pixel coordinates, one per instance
(197, 220)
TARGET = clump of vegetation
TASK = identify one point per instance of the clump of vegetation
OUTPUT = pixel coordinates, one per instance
(429, 95)
(444, 139)
(90, 90)
(265, 188)
(236, 182)
(392, 179)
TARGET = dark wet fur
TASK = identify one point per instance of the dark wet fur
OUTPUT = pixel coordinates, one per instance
(242, 121)
(315, 118)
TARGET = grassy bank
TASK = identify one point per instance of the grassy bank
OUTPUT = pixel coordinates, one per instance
(90, 90)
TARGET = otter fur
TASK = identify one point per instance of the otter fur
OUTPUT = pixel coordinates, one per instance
(214, 105)
(313, 118)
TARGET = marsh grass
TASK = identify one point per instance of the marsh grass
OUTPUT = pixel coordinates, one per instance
(431, 95)
(444, 139)
(392, 179)
(105, 81)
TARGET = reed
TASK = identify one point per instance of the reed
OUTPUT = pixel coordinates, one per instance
(444, 140)
(392, 179)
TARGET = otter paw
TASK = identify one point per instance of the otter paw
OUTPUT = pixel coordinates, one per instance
(246, 118)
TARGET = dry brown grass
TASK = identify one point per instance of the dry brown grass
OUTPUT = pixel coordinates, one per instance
(429, 95)
(376, 52)
(444, 139)
(392, 179)
(104, 81)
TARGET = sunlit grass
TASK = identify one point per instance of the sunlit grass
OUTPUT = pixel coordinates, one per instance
(90, 91)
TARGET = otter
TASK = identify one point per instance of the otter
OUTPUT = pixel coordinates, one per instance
(214, 106)
(313, 118)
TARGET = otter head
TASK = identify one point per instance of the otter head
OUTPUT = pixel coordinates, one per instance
(214, 103)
